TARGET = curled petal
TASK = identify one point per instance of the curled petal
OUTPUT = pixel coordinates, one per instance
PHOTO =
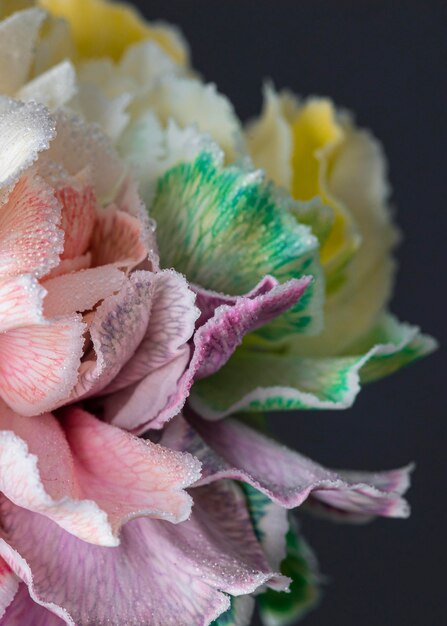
(229, 449)
(274, 382)
(191, 569)
(213, 344)
(89, 477)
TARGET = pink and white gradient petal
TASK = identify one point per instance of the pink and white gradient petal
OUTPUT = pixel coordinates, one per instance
(30, 240)
(89, 477)
(39, 364)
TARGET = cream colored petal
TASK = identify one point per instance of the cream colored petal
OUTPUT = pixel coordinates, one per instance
(189, 101)
(18, 37)
(54, 88)
(269, 140)
(358, 181)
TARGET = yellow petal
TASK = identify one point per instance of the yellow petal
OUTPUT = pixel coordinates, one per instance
(11, 6)
(105, 29)
(316, 133)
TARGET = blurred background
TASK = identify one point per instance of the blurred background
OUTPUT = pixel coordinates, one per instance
(387, 62)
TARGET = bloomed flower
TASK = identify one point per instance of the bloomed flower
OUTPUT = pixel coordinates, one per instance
(105, 29)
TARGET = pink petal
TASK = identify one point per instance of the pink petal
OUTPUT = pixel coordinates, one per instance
(66, 266)
(118, 238)
(30, 241)
(21, 301)
(9, 584)
(160, 574)
(208, 301)
(214, 343)
(39, 364)
(81, 291)
(170, 327)
(89, 477)
(229, 449)
(78, 202)
(150, 320)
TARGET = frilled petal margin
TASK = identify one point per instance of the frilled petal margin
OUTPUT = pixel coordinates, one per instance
(259, 381)
(225, 228)
(191, 566)
(213, 344)
(89, 477)
(230, 449)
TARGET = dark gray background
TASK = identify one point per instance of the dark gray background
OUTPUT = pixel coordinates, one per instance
(387, 62)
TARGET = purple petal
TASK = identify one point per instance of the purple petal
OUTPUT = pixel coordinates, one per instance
(229, 449)
(214, 343)
(208, 301)
(155, 576)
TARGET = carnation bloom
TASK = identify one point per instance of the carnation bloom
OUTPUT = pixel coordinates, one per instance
(81, 294)
(276, 260)
(325, 213)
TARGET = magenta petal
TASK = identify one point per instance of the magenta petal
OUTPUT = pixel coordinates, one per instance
(160, 574)
(229, 449)
(208, 301)
(216, 341)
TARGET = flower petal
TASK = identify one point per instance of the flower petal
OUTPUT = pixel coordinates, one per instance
(18, 38)
(78, 145)
(20, 302)
(39, 365)
(81, 291)
(231, 229)
(23, 610)
(78, 200)
(121, 26)
(30, 240)
(188, 565)
(55, 88)
(9, 584)
(26, 130)
(213, 344)
(274, 382)
(150, 320)
(229, 449)
(89, 477)
(118, 239)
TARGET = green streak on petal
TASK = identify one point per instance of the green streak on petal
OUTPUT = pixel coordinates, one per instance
(281, 609)
(260, 381)
(226, 228)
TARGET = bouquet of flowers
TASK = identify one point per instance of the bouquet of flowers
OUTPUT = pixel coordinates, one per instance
(167, 276)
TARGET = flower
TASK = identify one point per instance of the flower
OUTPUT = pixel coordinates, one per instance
(103, 345)
(328, 216)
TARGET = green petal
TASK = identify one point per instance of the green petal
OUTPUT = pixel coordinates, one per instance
(226, 228)
(281, 609)
(400, 343)
(261, 381)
